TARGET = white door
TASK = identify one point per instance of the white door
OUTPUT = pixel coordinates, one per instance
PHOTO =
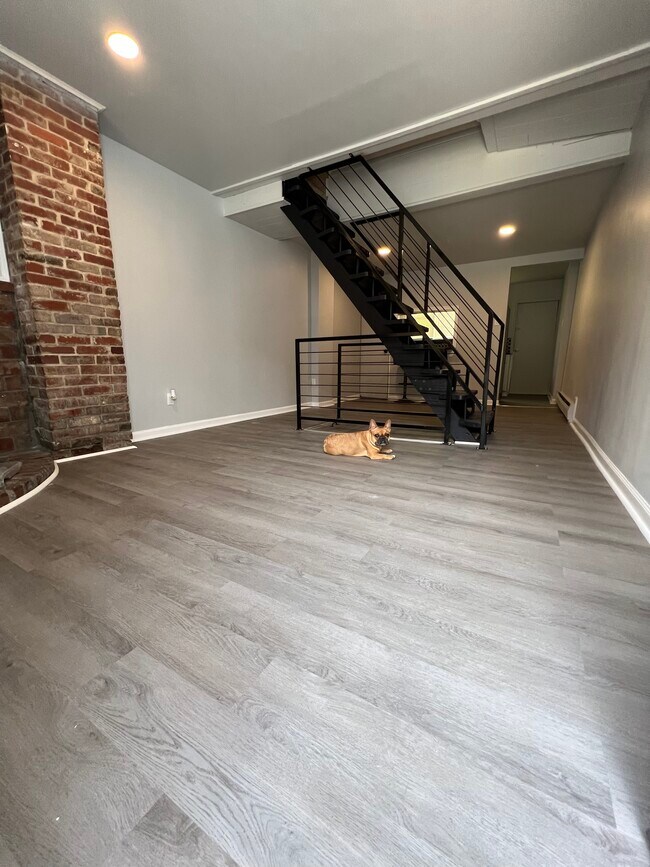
(534, 347)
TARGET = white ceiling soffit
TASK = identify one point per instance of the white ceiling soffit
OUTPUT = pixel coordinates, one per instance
(556, 215)
(542, 271)
(233, 93)
(442, 172)
(605, 107)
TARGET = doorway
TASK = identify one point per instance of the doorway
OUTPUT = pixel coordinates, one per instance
(534, 311)
(535, 329)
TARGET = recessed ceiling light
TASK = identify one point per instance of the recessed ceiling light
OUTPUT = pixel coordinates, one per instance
(509, 229)
(384, 251)
(123, 45)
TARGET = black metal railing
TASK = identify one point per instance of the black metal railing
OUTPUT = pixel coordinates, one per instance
(352, 378)
(420, 273)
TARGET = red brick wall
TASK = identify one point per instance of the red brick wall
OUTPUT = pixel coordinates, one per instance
(15, 428)
(54, 219)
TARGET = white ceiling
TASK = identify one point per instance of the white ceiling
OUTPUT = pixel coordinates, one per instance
(228, 90)
(557, 215)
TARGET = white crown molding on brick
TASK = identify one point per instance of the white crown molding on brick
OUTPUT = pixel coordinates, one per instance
(635, 504)
(610, 66)
(43, 73)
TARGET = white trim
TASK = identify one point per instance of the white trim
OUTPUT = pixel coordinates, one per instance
(186, 427)
(414, 440)
(524, 405)
(93, 454)
(612, 65)
(396, 439)
(51, 78)
(31, 493)
(393, 439)
(636, 505)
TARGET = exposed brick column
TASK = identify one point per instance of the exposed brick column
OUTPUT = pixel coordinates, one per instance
(15, 429)
(55, 223)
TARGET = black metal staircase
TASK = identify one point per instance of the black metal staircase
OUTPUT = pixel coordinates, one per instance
(437, 328)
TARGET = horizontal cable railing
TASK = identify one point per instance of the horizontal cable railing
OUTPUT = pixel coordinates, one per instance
(424, 278)
(352, 378)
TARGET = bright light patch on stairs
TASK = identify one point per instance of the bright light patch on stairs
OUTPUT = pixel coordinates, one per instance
(443, 320)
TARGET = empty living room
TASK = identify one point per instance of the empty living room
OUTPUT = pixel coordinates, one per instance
(324, 433)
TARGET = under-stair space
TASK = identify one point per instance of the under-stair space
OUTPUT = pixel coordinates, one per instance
(346, 380)
(438, 330)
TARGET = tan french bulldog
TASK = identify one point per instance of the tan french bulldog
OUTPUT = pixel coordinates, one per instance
(371, 443)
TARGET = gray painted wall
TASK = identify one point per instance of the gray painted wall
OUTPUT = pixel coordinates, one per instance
(209, 307)
(608, 361)
(331, 313)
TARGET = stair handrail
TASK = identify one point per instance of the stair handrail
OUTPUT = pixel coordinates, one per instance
(430, 240)
(341, 164)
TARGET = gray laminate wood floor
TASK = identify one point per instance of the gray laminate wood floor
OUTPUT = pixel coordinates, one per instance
(227, 648)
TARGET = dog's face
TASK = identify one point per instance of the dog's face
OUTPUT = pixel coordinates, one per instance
(380, 435)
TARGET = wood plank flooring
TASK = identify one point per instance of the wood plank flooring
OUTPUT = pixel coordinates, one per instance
(227, 648)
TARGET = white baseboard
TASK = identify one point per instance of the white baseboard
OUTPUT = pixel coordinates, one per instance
(93, 454)
(185, 427)
(636, 505)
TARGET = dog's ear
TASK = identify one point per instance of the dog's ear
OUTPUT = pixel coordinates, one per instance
(373, 424)
(387, 425)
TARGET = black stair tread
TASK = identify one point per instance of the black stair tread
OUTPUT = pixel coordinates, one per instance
(349, 251)
(395, 332)
(373, 298)
(474, 423)
(426, 373)
(330, 231)
(310, 209)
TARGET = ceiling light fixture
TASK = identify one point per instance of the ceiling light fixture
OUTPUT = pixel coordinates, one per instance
(123, 45)
(384, 251)
(507, 230)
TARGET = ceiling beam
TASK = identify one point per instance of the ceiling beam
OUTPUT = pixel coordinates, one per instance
(444, 172)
